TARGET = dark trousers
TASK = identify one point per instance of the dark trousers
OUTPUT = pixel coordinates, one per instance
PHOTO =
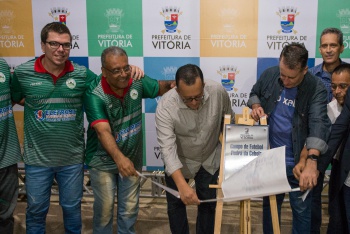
(316, 208)
(206, 211)
(8, 197)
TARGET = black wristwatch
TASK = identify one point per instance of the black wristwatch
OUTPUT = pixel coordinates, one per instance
(313, 157)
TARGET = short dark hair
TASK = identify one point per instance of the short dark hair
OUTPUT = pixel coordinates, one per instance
(294, 55)
(114, 50)
(344, 67)
(188, 74)
(333, 31)
(56, 27)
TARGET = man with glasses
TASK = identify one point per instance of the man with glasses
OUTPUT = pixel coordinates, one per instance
(295, 103)
(189, 121)
(331, 46)
(52, 88)
(339, 184)
(114, 150)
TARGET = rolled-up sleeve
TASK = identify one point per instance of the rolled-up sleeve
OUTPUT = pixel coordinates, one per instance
(167, 140)
(318, 121)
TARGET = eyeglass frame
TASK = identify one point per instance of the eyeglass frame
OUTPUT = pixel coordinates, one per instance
(188, 100)
(341, 86)
(64, 45)
(118, 72)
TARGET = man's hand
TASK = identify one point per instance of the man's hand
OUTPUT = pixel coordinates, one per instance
(308, 177)
(125, 166)
(136, 72)
(188, 195)
(298, 169)
(257, 112)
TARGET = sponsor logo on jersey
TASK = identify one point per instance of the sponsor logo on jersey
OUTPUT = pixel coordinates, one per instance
(36, 83)
(6, 112)
(134, 94)
(56, 115)
(2, 77)
(71, 83)
(128, 132)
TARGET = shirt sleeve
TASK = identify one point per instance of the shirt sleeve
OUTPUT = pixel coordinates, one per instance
(94, 108)
(318, 121)
(16, 90)
(150, 87)
(167, 140)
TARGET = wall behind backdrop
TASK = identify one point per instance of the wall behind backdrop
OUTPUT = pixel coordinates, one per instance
(233, 41)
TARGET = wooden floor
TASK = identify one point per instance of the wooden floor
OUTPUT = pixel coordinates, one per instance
(153, 219)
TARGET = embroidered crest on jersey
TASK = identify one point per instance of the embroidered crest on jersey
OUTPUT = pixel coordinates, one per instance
(2, 77)
(71, 83)
(134, 94)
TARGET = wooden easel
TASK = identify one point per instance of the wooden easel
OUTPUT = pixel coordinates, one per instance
(245, 220)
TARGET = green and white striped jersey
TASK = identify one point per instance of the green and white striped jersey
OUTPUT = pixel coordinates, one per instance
(10, 152)
(124, 115)
(53, 113)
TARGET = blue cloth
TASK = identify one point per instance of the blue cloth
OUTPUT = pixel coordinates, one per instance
(206, 211)
(105, 185)
(325, 77)
(39, 181)
(301, 209)
(280, 123)
(311, 124)
(8, 197)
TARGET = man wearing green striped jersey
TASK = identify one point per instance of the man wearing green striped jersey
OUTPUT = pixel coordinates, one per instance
(52, 88)
(10, 153)
(113, 106)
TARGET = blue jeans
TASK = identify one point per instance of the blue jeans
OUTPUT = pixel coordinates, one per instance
(206, 211)
(301, 210)
(104, 186)
(39, 181)
(8, 197)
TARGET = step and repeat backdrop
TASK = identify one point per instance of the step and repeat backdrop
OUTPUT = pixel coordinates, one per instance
(232, 41)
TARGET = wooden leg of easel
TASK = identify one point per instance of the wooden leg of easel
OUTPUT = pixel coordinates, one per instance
(218, 213)
(245, 224)
(274, 215)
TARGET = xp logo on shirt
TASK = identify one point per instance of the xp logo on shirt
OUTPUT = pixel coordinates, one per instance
(71, 83)
(2, 77)
(134, 94)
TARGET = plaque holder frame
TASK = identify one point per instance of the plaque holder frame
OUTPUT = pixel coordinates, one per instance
(245, 219)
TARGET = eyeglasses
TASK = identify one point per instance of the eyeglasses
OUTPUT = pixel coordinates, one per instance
(340, 86)
(118, 72)
(55, 45)
(187, 100)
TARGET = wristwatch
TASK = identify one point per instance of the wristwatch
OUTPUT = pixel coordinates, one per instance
(313, 157)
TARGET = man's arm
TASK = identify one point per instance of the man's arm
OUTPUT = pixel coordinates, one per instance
(318, 133)
(165, 86)
(298, 169)
(104, 133)
(187, 194)
(167, 141)
(16, 90)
